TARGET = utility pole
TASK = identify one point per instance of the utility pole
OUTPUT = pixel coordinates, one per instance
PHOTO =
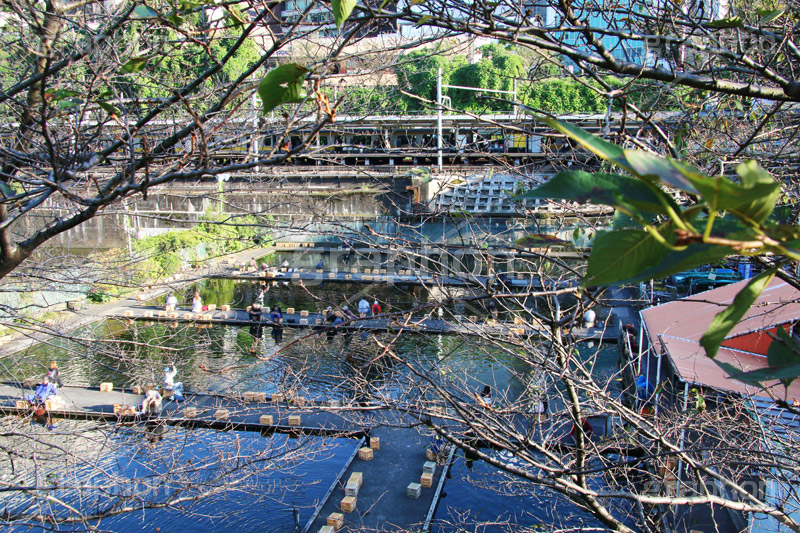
(439, 117)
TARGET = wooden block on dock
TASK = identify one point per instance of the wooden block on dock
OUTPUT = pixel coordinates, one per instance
(354, 271)
(426, 480)
(162, 314)
(296, 275)
(190, 412)
(336, 521)
(326, 529)
(277, 397)
(365, 277)
(351, 489)
(429, 455)
(331, 275)
(23, 404)
(318, 321)
(148, 314)
(128, 313)
(303, 321)
(106, 387)
(173, 315)
(375, 443)
(473, 318)
(137, 389)
(226, 307)
(348, 504)
(383, 271)
(212, 307)
(188, 316)
(429, 467)
(255, 396)
(319, 271)
(122, 410)
(304, 313)
(362, 315)
(365, 454)
(265, 420)
(414, 490)
(367, 271)
(294, 420)
(222, 414)
(356, 477)
(348, 276)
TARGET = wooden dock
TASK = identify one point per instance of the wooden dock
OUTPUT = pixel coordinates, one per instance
(389, 322)
(202, 411)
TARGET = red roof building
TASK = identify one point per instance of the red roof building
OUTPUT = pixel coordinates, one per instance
(674, 331)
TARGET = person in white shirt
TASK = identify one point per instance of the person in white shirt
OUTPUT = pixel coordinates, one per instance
(151, 405)
(197, 303)
(171, 385)
(172, 302)
(363, 306)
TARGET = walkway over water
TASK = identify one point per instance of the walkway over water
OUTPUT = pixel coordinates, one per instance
(382, 276)
(392, 322)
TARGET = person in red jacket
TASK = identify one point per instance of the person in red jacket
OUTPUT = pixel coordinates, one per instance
(376, 308)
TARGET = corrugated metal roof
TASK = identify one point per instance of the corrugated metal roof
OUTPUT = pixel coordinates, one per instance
(675, 329)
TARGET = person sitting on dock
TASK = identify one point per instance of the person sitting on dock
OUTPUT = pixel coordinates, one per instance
(276, 317)
(485, 397)
(254, 313)
(348, 314)
(197, 303)
(171, 385)
(321, 265)
(285, 264)
(172, 302)
(363, 307)
(376, 308)
(38, 401)
(53, 375)
(493, 309)
(151, 405)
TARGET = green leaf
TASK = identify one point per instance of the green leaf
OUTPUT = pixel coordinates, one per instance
(768, 16)
(602, 188)
(783, 352)
(637, 162)
(143, 12)
(175, 19)
(762, 188)
(630, 255)
(422, 20)
(7, 191)
(593, 143)
(725, 320)
(620, 256)
(109, 108)
(282, 85)
(69, 102)
(60, 94)
(134, 64)
(789, 372)
(342, 10)
(668, 171)
(731, 22)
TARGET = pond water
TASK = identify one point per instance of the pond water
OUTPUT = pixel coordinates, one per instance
(218, 360)
(228, 481)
